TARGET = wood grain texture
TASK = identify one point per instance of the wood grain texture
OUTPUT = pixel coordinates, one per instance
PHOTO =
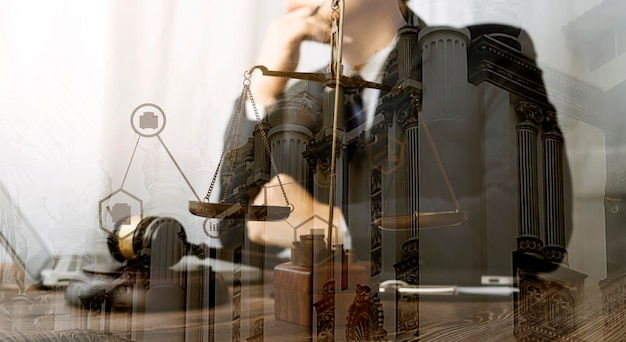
(44, 315)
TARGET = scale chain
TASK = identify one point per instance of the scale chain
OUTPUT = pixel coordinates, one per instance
(235, 125)
(434, 150)
(266, 143)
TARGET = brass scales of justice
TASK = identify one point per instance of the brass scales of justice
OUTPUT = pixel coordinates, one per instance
(332, 79)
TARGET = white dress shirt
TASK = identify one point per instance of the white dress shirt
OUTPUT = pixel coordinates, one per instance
(372, 71)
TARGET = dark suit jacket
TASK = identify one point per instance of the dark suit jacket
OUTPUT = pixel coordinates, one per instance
(474, 145)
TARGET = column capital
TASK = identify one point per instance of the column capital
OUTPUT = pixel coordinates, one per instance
(529, 112)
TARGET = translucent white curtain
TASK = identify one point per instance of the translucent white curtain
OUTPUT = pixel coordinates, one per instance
(52, 82)
(187, 58)
(71, 74)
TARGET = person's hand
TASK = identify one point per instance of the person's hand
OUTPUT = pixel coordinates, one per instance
(281, 49)
(307, 213)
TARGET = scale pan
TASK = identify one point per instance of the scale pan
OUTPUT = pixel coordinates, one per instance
(238, 212)
(427, 220)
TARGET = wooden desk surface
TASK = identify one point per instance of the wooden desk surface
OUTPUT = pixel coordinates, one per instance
(44, 315)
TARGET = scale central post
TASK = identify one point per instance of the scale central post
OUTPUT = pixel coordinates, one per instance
(335, 69)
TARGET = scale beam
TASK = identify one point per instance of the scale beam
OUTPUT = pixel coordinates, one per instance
(344, 81)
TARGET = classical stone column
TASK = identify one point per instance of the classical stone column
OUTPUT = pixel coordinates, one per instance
(554, 249)
(529, 230)
(409, 70)
(409, 76)
(287, 144)
(444, 67)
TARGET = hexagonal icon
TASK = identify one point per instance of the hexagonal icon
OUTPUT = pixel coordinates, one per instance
(119, 208)
(306, 213)
(387, 153)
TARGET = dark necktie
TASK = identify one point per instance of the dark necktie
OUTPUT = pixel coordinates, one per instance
(354, 112)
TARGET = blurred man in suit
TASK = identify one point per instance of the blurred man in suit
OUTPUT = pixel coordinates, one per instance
(379, 164)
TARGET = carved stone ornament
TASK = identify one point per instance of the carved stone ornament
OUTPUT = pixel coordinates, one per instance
(614, 305)
(407, 269)
(545, 305)
(551, 122)
(380, 127)
(387, 107)
(258, 331)
(545, 309)
(407, 117)
(318, 152)
(407, 309)
(615, 188)
(362, 140)
(529, 112)
(555, 253)
(529, 244)
(410, 248)
(407, 305)
(365, 317)
(325, 308)
(399, 106)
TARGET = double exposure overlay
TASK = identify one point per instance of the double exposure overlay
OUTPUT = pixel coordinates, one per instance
(327, 170)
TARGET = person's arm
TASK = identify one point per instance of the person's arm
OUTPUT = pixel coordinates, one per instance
(280, 50)
(308, 213)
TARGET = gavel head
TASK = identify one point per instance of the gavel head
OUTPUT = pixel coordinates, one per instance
(143, 242)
